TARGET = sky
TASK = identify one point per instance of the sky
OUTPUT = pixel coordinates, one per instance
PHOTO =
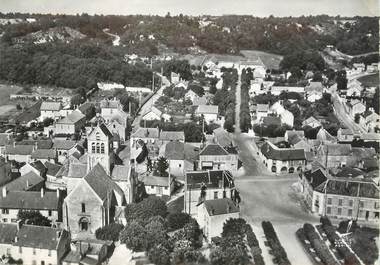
(259, 8)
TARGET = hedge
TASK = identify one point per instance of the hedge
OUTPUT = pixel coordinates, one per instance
(253, 243)
(277, 250)
(319, 246)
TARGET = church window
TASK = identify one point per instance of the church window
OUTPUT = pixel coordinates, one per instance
(83, 208)
(98, 148)
(93, 147)
(97, 136)
(102, 148)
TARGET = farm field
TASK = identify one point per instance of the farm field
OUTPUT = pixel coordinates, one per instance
(270, 60)
(5, 91)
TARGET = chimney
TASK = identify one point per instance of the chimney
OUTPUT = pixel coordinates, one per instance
(14, 144)
(4, 192)
(42, 192)
(228, 208)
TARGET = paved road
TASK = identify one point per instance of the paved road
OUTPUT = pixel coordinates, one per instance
(237, 105)
(150, 102)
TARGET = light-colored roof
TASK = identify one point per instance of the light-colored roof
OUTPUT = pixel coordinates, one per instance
(52, 106)
(120, 172)
(213, 150)
(314, 86)
(155, 110)
(207, 109)
(44, 154)
(175, 150)
(262, 108)
(172, 136)
(72, 118)
(25, 182)
(63, 144)
(146, 133)
(150, 180)
(77, 170)
(309, 120)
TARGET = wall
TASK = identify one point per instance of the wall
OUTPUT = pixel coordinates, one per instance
(40, 255)
(12, 216)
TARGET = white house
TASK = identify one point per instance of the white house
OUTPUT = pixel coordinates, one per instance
(212, 214)
(356, 107)
(50, 110)
(312, 122)
(287, 118)
(209, 112)
(213, 156)
(370, 121)
(71, 124)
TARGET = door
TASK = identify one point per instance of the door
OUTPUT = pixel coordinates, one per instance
(366, 215)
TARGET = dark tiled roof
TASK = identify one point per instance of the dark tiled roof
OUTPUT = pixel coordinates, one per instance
(8, 233)
(41, 237)
(63, 144)
(72, 118)
(220, 206)
(77, 170)
(25, 182)
(101, 183)
(41, 144)
(39, 166)
(120, 172)
(213, 150)
(270, 120)
(282, 154)
(52, 169)
(222, 137)
(146, 133)
(212, 179)
(19, 149)
(315, 178)
(350, 187)
(349, 172)
(30, 200)
(337, 149)
(105, 130)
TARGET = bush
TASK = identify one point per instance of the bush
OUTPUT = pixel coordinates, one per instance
(234, 226)
(159, 255)
(147, 208)
(109, 232)
(134, 236)
(278, 251)
(177, 220)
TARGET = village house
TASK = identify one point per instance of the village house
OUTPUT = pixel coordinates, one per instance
(50, 110)
(334, 155)
(147, 136)
(157, 185)
(282, 160)
(209, 112)
(277, 90)
(37, 167)
(152, 114)
(261, 111)
(355, 107)
(311, 122)
(34, 244)
(325, 137)
(64, 148)
(207, 185)
(114, 117)
(191, 95)
(354, 91)
(170, 136)
(71, 124)
(49, 204)
(44, 155)
(87, 251)
(345, 135)
(20, 153)
(256, 88)
(343, 197)
(213, 157)
(28, 182)
(314, 91)
(175, 78)
(370, 121)
(212, 214)
(53, 182)
(4, 141)
(270, 120)
(373, 67)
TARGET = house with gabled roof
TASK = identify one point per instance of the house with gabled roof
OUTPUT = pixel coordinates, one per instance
(314, 91)
(345, 135)
(334, 155)
(282, 160)
(209, 112)
(71, 124)
(20, 152)
(34, 244)
(312, 122)
(356, 107)
(208, 185)
(92, 203)
(214, 156)
(169, 136)
(51, 110)
(370, 121)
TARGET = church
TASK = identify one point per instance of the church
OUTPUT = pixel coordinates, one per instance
(98, 188)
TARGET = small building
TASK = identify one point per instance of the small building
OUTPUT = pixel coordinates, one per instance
(28, 182)
(287, 118)
(64, 148)
(147, 136)
(44, 155)
(152, 114)
(49, 204)
(345, 135)
(71, 124)
(314, 91)
(50, 110)
(370, 121)
(261, 111)
(209, 112)
(170, 136)
(270, 120)
(34, 244)
(282, 160)
(182, 157)
(213, 157)
(311, 122)
(37, 167)
(207, 185)
(334, 155)
(355, 107)
(212, 214)
(20, 153)
(156, 185)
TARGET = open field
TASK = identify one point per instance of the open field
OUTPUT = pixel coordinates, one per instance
(5, 91)
(270, 60)
(370, 80)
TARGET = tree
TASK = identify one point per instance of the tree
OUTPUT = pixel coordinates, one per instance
(341, 80)
(148, 207)
(213, 83)
(47, 122)
(134, 236)
(159, 255)
(234, 226)
(33, 218)
(109, 232)
(156, 233)
(177, 220)
(357, 118)
(197, 89)
(161, 166)
(76, 100)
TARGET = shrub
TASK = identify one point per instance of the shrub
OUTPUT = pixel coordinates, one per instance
(109, 232)
(147, 208)
(177, 220)
(274, 243)
(159, 255)
(134, 236)
(234, 226)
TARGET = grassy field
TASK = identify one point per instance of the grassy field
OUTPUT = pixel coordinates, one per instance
(5, 91)
(370, 80)
(270, 60)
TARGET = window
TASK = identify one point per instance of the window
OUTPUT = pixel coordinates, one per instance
(83, 208)
(329, 200)
(5, 220)
(97, 136)
(224, 194)
(179, 165)
(49, 212)
(20, 250)
(42, 262)
(102, 148)
(215, 195)
(93, 147)
(376, 205)
(350, 203)
(339, 211)
(5, 211)
(349, 212)
(8, 251)
(328, 210)
(361, 204)
(98, 148)
(340, 202)
(152, 187)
